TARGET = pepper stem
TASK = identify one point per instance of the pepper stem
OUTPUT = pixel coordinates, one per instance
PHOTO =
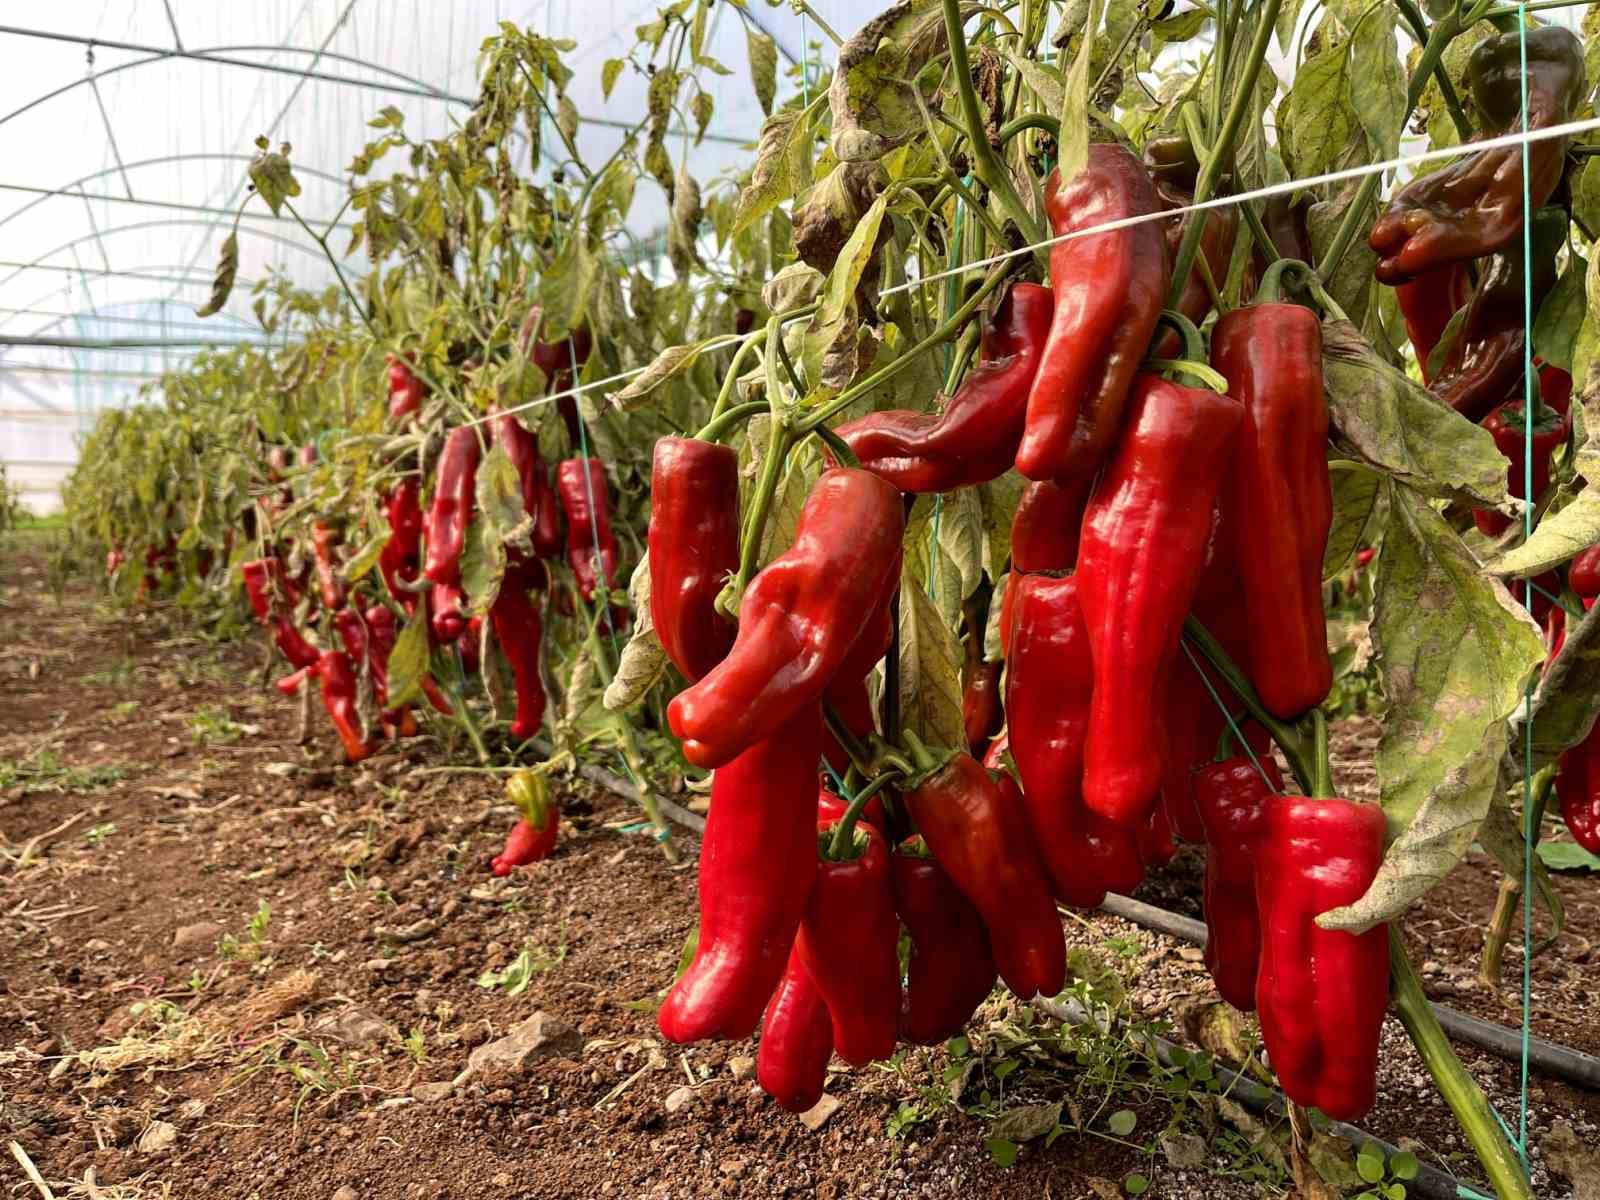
(844, 831)
(1194, 346)
(1322, 780)
(730, 419)
(1272, 282)
(837, 446)
(1507, 1176)
(1285, 735)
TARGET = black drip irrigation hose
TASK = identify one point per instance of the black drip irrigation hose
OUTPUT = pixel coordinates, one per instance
(1561, 1062)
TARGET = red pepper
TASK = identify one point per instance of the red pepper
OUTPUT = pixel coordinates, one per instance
(974, 439)
(114, 559)
(796, 1041)
(289, 684)
(1364, 557)
(1156, 845)
(849, 942)
(1506, 425)
(848, 693)
(556, 360)
(833, 806)
(517, 628)
(591, 546)
(454, 494)
(265, 585)
(538, 497)
(406, 391)
(293, 643)
(1578, 787)
(1143, 548)
(950, 971)
(1321, 993)
(352, 630)
(1049, 683)
(980, 836)
(758, 861)
(1044, 531)
(1584, 573)
(694, 546)
(1232, 799)
(1427, 303)
(1555, 633)
(324, 537)
(1109, 289)
(799, 620)
(534, 835)
(338, 677)
(381, 639)
(399, 559)
(1277, 498)
(981, 713)
(469, 644)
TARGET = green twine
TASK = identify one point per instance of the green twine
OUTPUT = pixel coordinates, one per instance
(1528, 831)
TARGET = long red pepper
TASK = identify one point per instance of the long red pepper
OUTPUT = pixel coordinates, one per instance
(522, 447)
(758, 861)
(1109, 289)
(406, 390)
(591, 546)
(338, 677)
(951, 971)
(1507, 425)
(517, 628)
(1578, 788)
(1277, 498)
(979, 835)
(1321, 993)
(796, 1041)
(1232, 799)
(1049, 684)
(1427, 303)
(1140, 557)
(1044, 531)
(800, 618)
(694, 547)
(399, 560)
(331, 589)
(849, 942)
(449, 516)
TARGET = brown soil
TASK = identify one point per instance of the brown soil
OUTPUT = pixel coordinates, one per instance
(149, 1040)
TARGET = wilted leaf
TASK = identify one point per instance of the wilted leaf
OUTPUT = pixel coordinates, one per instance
(1379, 97)
(684, 227)
(643, 661)
(930, 669)
(499, 490)
(664, 368)
(1319, 117)
(483, 564)
(763, 53)
(1026, 1122)
(1561, 315)
(1356, 495)
(1454, 651)
(1566, 699)
(408, 662)
(227, 272)
(608, 75)
(872, 99)
(796, 286)
(367, 557)
(782, 166)
(272, 175)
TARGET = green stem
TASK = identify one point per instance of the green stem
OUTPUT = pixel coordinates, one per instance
(1322, 769)
(984, 163)
(1460, 1091)
(837, 446)
(882, 375)
(1452, 101)
(731, 381)
(1287, 738)
(844, 831)
(965, 348)
(1041, 121)
(724, 423)
(1222, 149)
(779, 440)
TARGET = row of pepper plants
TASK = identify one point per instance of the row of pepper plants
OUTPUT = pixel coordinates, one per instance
(975, 550)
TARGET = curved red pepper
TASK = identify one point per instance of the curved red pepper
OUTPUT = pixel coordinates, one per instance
(293, 644)
(849, 942)
(517, 628)
(796, 1041)
(1109, 289)
(1277, 497)
(799, 620)
(950, 971)
(522, 447)
(1321, 993)
(1049, 683)
(1156, 844)
(1143, 548)
(556, 360)
(1427, 303)
(974, 439)
(406, 390)
(1578, 787)
(758, 861)
(694, 547)
(848, 693)
(454, 495)
(526, 843)
(591, 546)
(1232, 798)
(1044, 531)
(324, 537)
(981, 712)
(398, 561)
(339, 684)
(979, 835)
(1506, 426)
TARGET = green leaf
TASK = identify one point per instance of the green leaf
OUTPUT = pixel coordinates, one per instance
(499, 490)
(1379, 95)
(608, 75)
(1440, 354)
(389, 117)
(1122, 1122)
(1567, 698)
(930, 668)
(1395, 426)
(222, 283)
(1135, 1184)
(408, 662)
(1002, 1152)
(1586, 195)
(1181, 27)
(763, 52)
(1403, 1165)
(1356, 495)
(1369, 1163)
(1288, 20)
(1454, 652)
(782, 166)
(483, 564)
(1319, 117)
(1567, 856)
(1073, 145)
(367, 557)
(1561, 315)
(1045, 80)
(851, 264)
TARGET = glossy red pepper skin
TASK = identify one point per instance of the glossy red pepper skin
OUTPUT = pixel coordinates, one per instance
(1049, 685)
(974, 439)
(979, 835)
(406, 390)
(1578, 788)
(293, 643)
(259, 577)
(399, 560)
(1474, 206)
(1277, 497)
(515, 619)
(1506, 425)
(833, 806)
(527, 843)
(1232, 798)
(694, 547)
(338, 677)
(1157, 846)
(848, 693)
(352, 629)
(1584, 573)
(454, 495)
(522, 447)
(1427, 303)
(1109, 289)
(1321, 993)
(591, 546)
(1044, 531)
(1140, 557)
(981, 712)
(758, 861)
(330, 588)
(796, 1041)
(849, 942)
(800, 618)
(951, 971)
